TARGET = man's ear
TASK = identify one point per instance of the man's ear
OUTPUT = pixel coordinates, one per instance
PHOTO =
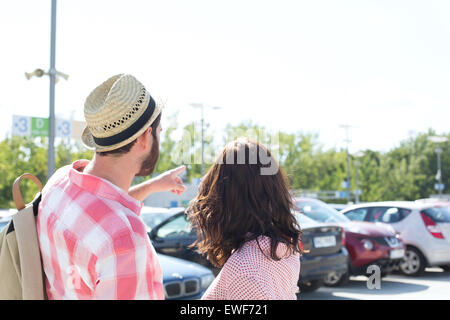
(145, 138)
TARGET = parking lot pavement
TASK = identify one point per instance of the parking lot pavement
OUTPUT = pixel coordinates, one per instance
(433, 285)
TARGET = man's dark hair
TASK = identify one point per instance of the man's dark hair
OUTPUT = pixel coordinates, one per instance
(126, 148)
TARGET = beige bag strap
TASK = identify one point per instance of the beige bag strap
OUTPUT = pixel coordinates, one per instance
(32, 280)
(17, 195)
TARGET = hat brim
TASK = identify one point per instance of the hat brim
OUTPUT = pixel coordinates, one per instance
(89, 143)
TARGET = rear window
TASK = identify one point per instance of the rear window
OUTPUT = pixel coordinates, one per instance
(320, 211)
(387, 214)
(438, 214)
(357, 214)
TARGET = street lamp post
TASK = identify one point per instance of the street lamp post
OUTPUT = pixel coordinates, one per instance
(357, 163)
(52, 74)
(202, 107)
(54, 77)
(347, 140)
(438, 151)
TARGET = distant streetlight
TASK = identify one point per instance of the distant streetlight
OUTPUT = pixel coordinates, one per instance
(357, 155)
(202, 107)
(438, 150)
(347, 140)
(39, 73)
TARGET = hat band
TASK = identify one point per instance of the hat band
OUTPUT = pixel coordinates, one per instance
(131, 130)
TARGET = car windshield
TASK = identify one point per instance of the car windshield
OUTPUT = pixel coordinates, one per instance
(439, 214)
(320, 211)
(177, 227)
(153, 219)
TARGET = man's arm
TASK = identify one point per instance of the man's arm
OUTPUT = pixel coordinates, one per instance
(167, 181)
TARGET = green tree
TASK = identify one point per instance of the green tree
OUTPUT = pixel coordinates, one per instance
(20, 155)
(407, 172)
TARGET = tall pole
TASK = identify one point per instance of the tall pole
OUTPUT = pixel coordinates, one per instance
(202, 107)
(52, 75)
(357, 163)
(348, 176)
(347, 140)
(203, 144)
(438, 151)
(357, 181)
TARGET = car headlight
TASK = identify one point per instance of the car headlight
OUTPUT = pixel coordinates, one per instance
(206, 281)
(368, 245)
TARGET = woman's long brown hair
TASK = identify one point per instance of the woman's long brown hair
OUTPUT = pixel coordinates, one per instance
(236, 203)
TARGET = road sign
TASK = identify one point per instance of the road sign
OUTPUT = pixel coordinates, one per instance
(77, 129)
(439, 186)
(21, 126)
(341, 194)
(63, 128)
(39, 127)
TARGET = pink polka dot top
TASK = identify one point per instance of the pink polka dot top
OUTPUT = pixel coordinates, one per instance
(250, 274)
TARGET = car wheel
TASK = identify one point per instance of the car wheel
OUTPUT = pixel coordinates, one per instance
(310, 286)
(335, 279)
(413, 263)
(446, 267)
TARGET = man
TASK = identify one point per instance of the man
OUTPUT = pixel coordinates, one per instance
(92, 241)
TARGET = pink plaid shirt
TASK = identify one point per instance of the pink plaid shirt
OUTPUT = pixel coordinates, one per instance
(93, 243)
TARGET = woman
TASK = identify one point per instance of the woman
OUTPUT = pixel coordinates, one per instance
(245, 225)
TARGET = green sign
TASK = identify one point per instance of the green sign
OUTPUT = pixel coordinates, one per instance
(39, 127)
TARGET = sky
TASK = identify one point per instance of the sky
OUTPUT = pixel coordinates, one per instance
(382, 67)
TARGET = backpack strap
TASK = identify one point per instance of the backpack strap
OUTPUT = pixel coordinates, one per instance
(36, 201)
(17, 195)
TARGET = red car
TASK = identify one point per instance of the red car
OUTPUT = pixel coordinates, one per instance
(367, 243)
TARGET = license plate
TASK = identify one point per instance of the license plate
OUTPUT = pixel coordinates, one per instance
(322, 242)
(397, 254)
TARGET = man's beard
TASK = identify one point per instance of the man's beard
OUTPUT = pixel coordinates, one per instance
(149, 163)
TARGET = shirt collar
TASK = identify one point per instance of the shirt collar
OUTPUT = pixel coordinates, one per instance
(102, 187)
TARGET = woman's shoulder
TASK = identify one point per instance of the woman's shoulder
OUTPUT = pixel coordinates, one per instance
(255, 254)
(251, 271)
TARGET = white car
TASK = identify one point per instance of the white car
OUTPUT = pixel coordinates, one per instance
(424, 228)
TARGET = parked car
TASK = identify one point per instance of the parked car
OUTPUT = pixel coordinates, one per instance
(338, 206)
(325, 252)
(173, 236)
(184, 279)
(367, 243)
(152, 216)
(424, 227)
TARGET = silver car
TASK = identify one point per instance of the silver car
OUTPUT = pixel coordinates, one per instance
(424, 228)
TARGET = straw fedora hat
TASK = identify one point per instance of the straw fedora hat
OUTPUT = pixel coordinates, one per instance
(117, 112)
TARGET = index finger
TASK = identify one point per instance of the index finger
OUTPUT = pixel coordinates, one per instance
(179, 170)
